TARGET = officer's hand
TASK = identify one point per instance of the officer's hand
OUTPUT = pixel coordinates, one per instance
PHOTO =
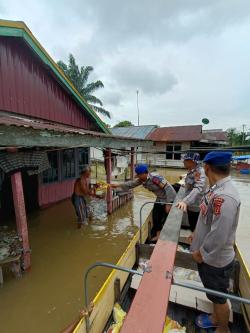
(182, 205)
(114, 185)
(190, 238)
(197, 257)
(167, 208)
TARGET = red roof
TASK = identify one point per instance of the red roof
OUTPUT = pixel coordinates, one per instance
(176, 133)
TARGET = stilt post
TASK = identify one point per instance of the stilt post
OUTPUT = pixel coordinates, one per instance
(21, 218)
(109, 171)
(132, 163)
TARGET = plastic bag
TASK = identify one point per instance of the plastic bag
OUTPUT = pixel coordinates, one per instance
(119, 316)
(171, 326)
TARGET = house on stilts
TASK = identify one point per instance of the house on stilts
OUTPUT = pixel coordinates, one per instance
(46, 131)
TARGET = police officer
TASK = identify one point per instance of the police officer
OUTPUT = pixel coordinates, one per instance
(213, 240)
(160, 187)
(195, 185)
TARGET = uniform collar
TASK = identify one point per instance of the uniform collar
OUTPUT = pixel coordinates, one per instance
(223, 181)
(220, 183)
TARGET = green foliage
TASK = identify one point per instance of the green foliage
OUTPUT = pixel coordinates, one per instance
(237, 138)
(79, 77)
(124, 123)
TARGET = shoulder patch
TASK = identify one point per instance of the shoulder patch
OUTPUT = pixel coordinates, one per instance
(160, 181)
(217, 204)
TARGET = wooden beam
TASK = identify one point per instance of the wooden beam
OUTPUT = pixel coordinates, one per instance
(14, 136)
(21, 219)
(148, 310)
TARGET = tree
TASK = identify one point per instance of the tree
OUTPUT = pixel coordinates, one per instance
(232, 135)
(124, 123)
(79, 77)
(237, 138)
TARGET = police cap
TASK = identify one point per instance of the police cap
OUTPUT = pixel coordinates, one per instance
(141, 168)
(218, 158)
(192, 156)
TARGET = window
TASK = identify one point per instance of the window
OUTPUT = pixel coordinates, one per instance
(83, 158)
(68, 164)
(169, 154)
(51, 175)
(172, 150)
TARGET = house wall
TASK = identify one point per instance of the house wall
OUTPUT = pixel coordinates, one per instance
(160, 159)
(55, 191)
(31, 89)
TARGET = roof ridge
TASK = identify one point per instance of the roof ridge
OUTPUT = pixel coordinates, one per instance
(179, 126)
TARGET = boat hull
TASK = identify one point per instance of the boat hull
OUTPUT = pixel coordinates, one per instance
(103, 302)
(105, 298)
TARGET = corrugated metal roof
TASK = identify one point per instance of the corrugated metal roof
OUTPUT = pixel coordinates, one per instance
(215, 135)
(177, 133)
(18, 29)
(29, 89)
(137, 132)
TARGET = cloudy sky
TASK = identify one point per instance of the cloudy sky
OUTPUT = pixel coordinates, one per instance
(189, 59)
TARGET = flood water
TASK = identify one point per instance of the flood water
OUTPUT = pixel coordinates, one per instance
(49, 297)
(242, 182)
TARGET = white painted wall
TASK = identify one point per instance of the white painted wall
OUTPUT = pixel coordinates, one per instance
(96, 155)
(160, 159)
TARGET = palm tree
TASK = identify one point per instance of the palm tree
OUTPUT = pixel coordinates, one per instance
(79, 77)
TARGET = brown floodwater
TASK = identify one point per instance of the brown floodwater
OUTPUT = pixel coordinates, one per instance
(49, 296)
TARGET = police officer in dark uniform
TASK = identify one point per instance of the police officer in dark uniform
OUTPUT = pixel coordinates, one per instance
(160, 187)
(213, 240)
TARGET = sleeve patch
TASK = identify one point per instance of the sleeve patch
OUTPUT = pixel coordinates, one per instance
(160, 181)
(218, 202)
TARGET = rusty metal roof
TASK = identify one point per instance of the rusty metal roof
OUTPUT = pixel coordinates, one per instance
(176, 133)
(40, 138)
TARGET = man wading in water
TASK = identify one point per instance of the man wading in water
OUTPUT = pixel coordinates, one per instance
(160, 187)
(81, 195)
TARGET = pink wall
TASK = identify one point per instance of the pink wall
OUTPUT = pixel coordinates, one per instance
(51, 193)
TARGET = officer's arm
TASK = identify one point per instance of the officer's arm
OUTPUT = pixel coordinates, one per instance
(225, 210)
(130, 184)
(170, 191)
(199, 187)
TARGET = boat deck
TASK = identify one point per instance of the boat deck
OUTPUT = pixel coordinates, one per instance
(186, 317)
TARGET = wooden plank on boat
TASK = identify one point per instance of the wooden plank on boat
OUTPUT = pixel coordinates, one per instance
(154, 289)
(244, 286)
(105, 299)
